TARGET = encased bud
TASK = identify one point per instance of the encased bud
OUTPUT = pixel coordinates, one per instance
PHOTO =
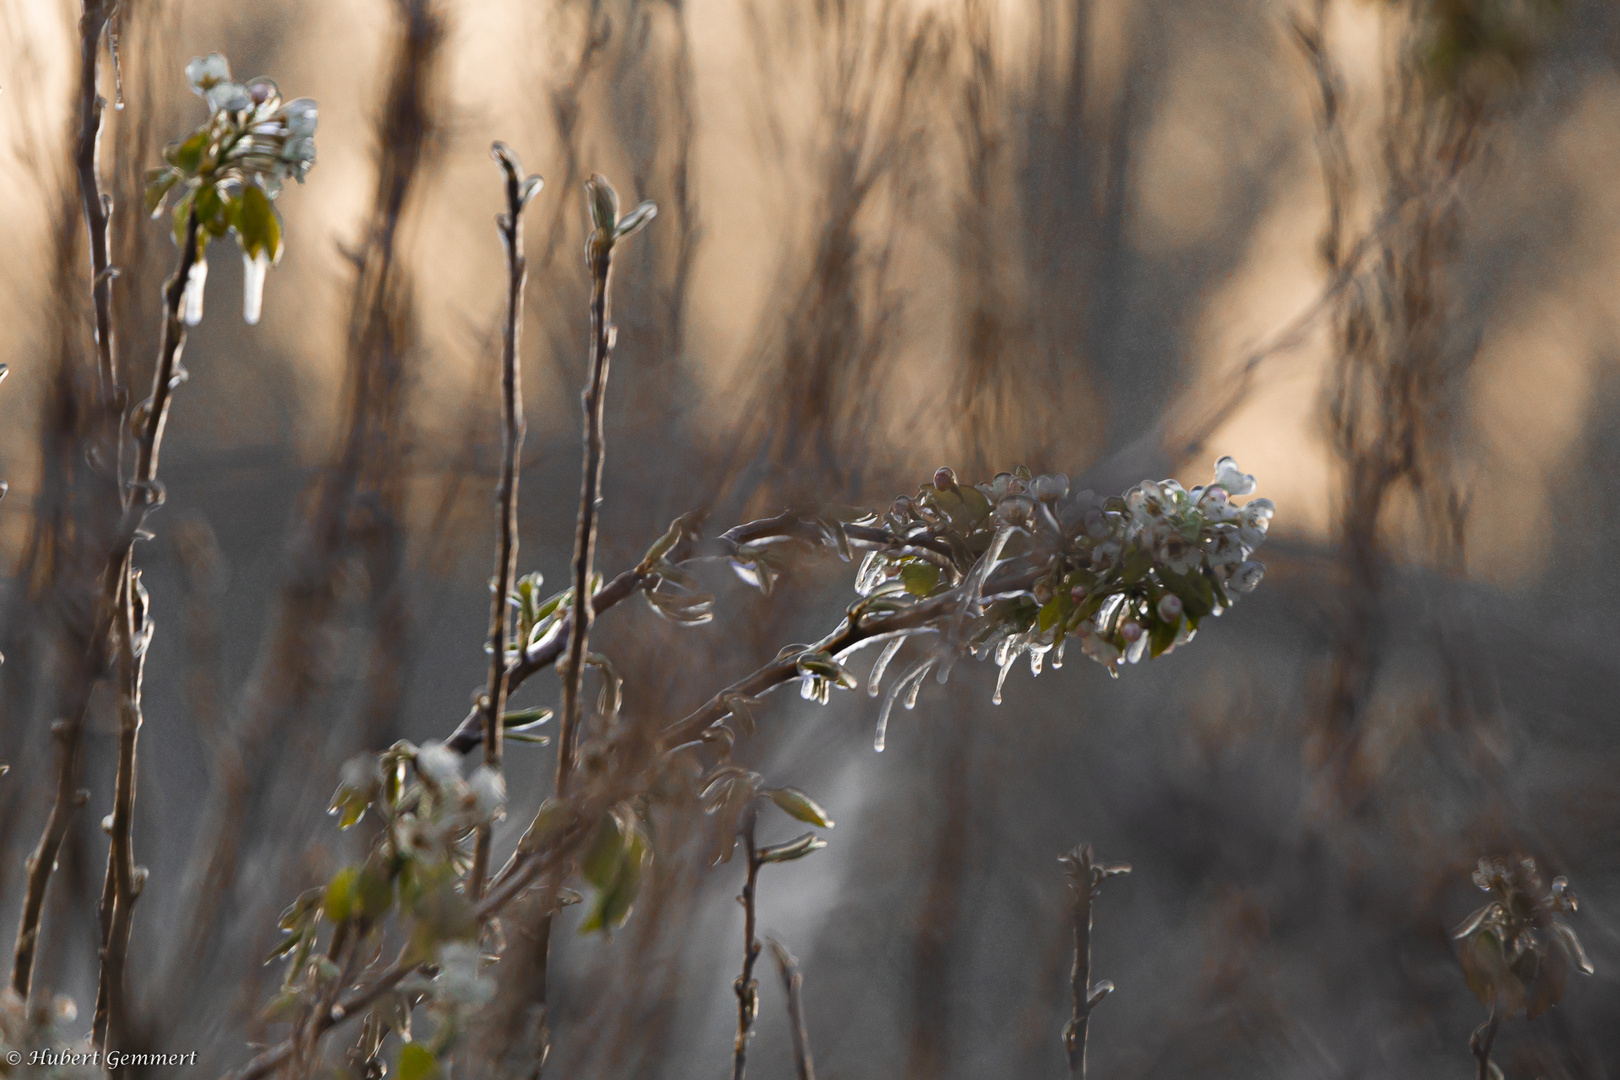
(945, 478)
(603, 203)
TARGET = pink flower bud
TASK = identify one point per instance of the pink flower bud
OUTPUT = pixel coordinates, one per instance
(1131, 631)
(945, 479)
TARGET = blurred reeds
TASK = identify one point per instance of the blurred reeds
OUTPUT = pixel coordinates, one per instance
(890, 235)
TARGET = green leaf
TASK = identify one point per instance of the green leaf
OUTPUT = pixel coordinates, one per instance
(416, 1062)
(340, 895)
(187, 156)
(1055, 610)
(1162, 636)
(182, 214)
(796, 804)
(824, 666)
(920, 578)
(614, 902)
(523, 719)
(158, 184)
(601, 863)
(257, 225)
(793, 849)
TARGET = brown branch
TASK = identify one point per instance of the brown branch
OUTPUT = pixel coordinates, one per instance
(600, 255)
(124, 880)
(1085, 875)
(518, 192)
(793, 983)
(1482, 1040)
(746, 986)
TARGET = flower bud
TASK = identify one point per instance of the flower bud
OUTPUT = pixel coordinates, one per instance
(945, 478)
(603, 203)
(1131, 631)
(1169, 607)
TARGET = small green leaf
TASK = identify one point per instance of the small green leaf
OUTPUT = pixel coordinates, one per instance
(375, 892)
(416, 1062)
(187, 156)
(921, 578)
(796, 804)
(523, 719)
(793, 849)
(601, 863)
(257, 226)
(159, 182)
(340, 895)
(1162, 636)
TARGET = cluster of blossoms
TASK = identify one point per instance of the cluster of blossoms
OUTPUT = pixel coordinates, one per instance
(1517, 950)
(228, 172)
(1031, 564)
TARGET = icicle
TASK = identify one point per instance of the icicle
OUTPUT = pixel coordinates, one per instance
(914, 674)
(191, 303)
(1057, 655)
(1002, 678)
(916, 687)
(1004, 652)
(1035, 657)
(870, 574)
(254, 269)
(882, 665)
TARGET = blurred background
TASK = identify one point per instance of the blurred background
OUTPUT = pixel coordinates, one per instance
(1370, 249)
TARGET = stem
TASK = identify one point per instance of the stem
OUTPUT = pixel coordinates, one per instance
(747, 986)
(850, 634)
(69, 729)
(1481, 1042)
(124, 880)
(1074, 1039)
(793, 983)
(590, 494)
(506, 495)
(1085, 875)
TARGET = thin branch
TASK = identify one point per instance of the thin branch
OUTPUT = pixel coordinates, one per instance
(124, 879)
(1483, 1039)
(512, 428)
(850, 635)
(746, 986)
(793, 983)
(1085, 875)
(599, 251)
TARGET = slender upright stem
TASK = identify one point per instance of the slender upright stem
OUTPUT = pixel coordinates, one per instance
(68, 730)
(1085, 875)
(124, 879)
(747, 986)
(600, 253)
(793, 983)
(1074, 1039)
(1483, 1039)
(506, 495)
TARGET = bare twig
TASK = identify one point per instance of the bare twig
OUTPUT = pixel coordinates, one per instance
(746, 986)
(1085, 875)
(793, 983)
(124, 878)
(599, 254)
(851, 634)
(68, 730)
(1482, 1040)
(518, 192)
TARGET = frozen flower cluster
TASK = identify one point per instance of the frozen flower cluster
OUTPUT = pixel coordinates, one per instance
(1517, 951)
(1023, 565)
(229, 171)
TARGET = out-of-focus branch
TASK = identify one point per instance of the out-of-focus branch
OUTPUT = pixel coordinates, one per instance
(746, 986)
(124, 878)
(793, 983)
(518, 192)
